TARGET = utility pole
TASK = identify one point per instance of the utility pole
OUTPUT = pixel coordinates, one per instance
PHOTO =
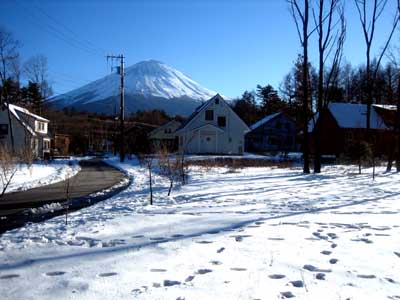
(121, 104)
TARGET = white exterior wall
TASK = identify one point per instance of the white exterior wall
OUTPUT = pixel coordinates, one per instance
(228, 140)
(21, 137)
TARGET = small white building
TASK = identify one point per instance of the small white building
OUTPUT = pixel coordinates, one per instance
(29, 130)
(164, 135)
(214, 128)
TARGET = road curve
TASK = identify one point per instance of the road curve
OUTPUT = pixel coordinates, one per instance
(94, 176)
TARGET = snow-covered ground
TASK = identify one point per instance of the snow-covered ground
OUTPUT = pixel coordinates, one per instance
(258, 233)
(42, 173)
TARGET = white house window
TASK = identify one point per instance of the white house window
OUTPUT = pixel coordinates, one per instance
(40, 126)
(209, 115)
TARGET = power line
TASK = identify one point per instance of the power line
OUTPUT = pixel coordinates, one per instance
(87, 42)
(71, 41)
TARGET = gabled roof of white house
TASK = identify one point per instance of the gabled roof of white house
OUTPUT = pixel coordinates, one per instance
(17, 110)
(264, 120)
(349, 115)
(202, 107)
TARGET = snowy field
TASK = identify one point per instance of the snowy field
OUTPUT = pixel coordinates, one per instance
(42, 173)
(258, 233)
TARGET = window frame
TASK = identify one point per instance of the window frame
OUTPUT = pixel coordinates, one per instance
(221, 118)
(207, 115)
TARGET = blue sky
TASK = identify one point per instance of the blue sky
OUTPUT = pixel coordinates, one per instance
(226, 45)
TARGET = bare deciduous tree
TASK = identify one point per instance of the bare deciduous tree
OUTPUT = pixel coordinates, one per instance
(9, 62)
(8, 167)
(36, 70)
(326, 20)
(169, 166)
(301, 20)
(147, 160)
(368, 24)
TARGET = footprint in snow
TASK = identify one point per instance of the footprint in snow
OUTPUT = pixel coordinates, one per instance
(333, 246)
(366, 276)
(333, 261)
(286, 295)
(157, 238)
(239, 269)
(326, 252)
(297, 283)
(158, 270)
(171, 282)
(220, 250)
(204, 242)
(109, 274)
(9, 276)
(55, 273)
(253, 226)
(138, 236)
(397, 253)
(332, 235)
(177, 235)
(365, 240)
(320, 276)
(390, 280)
(215, 262)
(189, 278)
(312, 268)
(276, 276)
(276, 239)
(238, 238)
(203, 271)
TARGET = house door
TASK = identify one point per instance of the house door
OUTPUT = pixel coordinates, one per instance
(208, 143)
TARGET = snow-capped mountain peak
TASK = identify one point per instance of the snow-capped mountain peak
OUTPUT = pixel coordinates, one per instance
(152, 80)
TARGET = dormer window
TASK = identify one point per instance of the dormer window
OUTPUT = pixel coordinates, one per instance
(41, 127)
(217, 100)
(209, 115)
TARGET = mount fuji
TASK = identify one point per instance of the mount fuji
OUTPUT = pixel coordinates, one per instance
(148, 85)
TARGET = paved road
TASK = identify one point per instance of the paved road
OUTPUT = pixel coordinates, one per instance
(94, 176)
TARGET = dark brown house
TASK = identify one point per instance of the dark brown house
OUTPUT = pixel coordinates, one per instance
(61, 144)
(344, 124)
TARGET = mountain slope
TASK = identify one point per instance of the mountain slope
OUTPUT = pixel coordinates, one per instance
(148, 85)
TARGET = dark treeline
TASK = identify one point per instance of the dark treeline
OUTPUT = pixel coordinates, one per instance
(349, 86)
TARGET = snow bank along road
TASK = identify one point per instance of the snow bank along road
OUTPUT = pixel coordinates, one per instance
(255, 233)
(94, 176)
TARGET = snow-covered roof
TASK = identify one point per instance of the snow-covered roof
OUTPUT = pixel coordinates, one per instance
(349, 115)
(17, 110)
(264, 120)
(14, 109)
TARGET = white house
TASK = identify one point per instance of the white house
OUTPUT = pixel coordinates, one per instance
(164, 135)
(28, 129)
(213, 128)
